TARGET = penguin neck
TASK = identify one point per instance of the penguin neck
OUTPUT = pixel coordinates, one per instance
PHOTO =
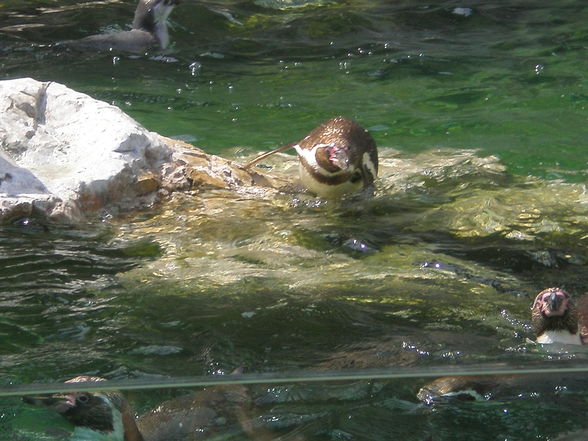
(124, 428)
(331, 185)
(558, 329)
(82, 433)
(153, 19)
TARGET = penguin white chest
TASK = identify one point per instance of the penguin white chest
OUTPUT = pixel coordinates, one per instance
(563, 337)
(326, 190)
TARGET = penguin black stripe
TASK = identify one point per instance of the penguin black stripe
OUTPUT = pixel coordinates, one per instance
(332, 179)
(337, 158)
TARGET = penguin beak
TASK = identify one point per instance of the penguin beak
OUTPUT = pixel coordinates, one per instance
(57, 402)
(554, 301)
(339, 157)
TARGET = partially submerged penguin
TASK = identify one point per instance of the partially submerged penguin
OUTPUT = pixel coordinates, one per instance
(107, 416)
(337, 158)
(465, 388)
(149, 30)
(484, 387)
(99, 416)
(556, 318)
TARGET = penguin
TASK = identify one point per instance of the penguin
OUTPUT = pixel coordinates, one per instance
(465, 388)
(485, 387)
(555, 318)
(107, 416)
(337, 158)
(98, 416)
(149, 29)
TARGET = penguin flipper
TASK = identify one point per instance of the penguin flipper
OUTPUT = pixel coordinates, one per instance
(264, 155)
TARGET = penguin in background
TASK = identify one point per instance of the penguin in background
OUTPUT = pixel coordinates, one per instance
(216, 411)
(149, 30)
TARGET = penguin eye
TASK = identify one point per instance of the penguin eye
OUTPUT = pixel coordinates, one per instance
(83, 398)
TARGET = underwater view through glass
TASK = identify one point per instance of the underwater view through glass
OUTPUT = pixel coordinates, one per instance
(272, 315)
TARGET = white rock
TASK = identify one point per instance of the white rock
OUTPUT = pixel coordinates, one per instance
(63, 153)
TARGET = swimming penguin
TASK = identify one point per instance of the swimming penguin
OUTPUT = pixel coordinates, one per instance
(94, 415)
(337, 158)
(556, 318)
(485, 387)
(212, 413)
(149, 30)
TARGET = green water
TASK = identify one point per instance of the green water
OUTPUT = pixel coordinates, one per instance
(438, 270)
(508, 79)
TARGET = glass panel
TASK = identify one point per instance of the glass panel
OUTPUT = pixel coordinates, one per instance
(393, 404)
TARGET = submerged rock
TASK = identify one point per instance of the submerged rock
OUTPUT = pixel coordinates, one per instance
(438, 196)
(467, 289)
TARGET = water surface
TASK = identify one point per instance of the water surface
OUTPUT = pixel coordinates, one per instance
(439, 269)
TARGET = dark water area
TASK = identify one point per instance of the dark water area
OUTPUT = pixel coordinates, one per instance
(437, 271)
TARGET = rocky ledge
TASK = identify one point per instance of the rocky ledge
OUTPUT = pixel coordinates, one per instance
(65, 155)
